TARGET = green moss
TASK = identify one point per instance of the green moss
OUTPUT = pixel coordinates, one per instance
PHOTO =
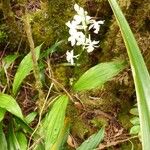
(60, 74)
(80, 129)
(99, 122)
(3, 34)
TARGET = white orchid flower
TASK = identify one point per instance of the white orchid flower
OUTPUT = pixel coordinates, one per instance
(81, 38)
(73, 32)
(85, 20)
(70, 57)
(77, 38)
(82, 16)
(80, 11)
(73, 37)
(90, 45)
(95, 25)
(74, 25)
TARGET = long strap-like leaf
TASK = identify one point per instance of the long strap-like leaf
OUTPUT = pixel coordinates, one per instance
(140, 74)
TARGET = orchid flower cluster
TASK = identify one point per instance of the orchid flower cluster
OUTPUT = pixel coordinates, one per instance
(78, 30)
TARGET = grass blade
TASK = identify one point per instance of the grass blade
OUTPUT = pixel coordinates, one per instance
(9, 103)
(24, 69)
(93, 141)
(51, 50)
(140, 74)
(54, 122)
(98, 75)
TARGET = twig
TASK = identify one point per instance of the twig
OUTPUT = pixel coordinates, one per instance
(40, 117)
(115, 143)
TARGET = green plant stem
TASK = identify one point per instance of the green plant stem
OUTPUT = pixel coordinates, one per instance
(36, 72)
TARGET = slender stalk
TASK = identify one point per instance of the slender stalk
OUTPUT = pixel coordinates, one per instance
(36, 72)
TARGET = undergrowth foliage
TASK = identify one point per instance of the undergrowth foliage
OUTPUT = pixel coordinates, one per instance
(53, 127)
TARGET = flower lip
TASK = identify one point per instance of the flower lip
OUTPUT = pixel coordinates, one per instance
(70, 57)
(95, 25)
(90, 45)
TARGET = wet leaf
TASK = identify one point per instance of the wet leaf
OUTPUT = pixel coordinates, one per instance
(63, 136)
(54, 121)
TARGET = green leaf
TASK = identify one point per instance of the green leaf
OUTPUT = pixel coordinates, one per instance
(98, 75)
(93, 141)
(51, 50)
(2, 114)
(24, 69)
(135, 121)
(11, 138)
(9, 103)
(134, 111)
(135, 129)
(24, 125)
(8, 60)
(3, 142)
(30, 117)
(140, 74)
(22, 140)
(54, 121)
(63, 136)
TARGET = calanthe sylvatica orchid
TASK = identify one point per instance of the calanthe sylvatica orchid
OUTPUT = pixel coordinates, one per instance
(70, 57)
(79, 32)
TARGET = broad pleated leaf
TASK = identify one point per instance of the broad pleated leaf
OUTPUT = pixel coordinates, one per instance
(54, 122)
(8, 60)
(3, 142)
(12, 141)
(30, 117)
(2, 113)
(24, 69)
(93, 141)
(9, 103)
(63, 136)
(22, 140)
(98, 75)
(24, 125)
(140, 74)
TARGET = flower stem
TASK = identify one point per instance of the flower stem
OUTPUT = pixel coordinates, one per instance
(38, 84)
